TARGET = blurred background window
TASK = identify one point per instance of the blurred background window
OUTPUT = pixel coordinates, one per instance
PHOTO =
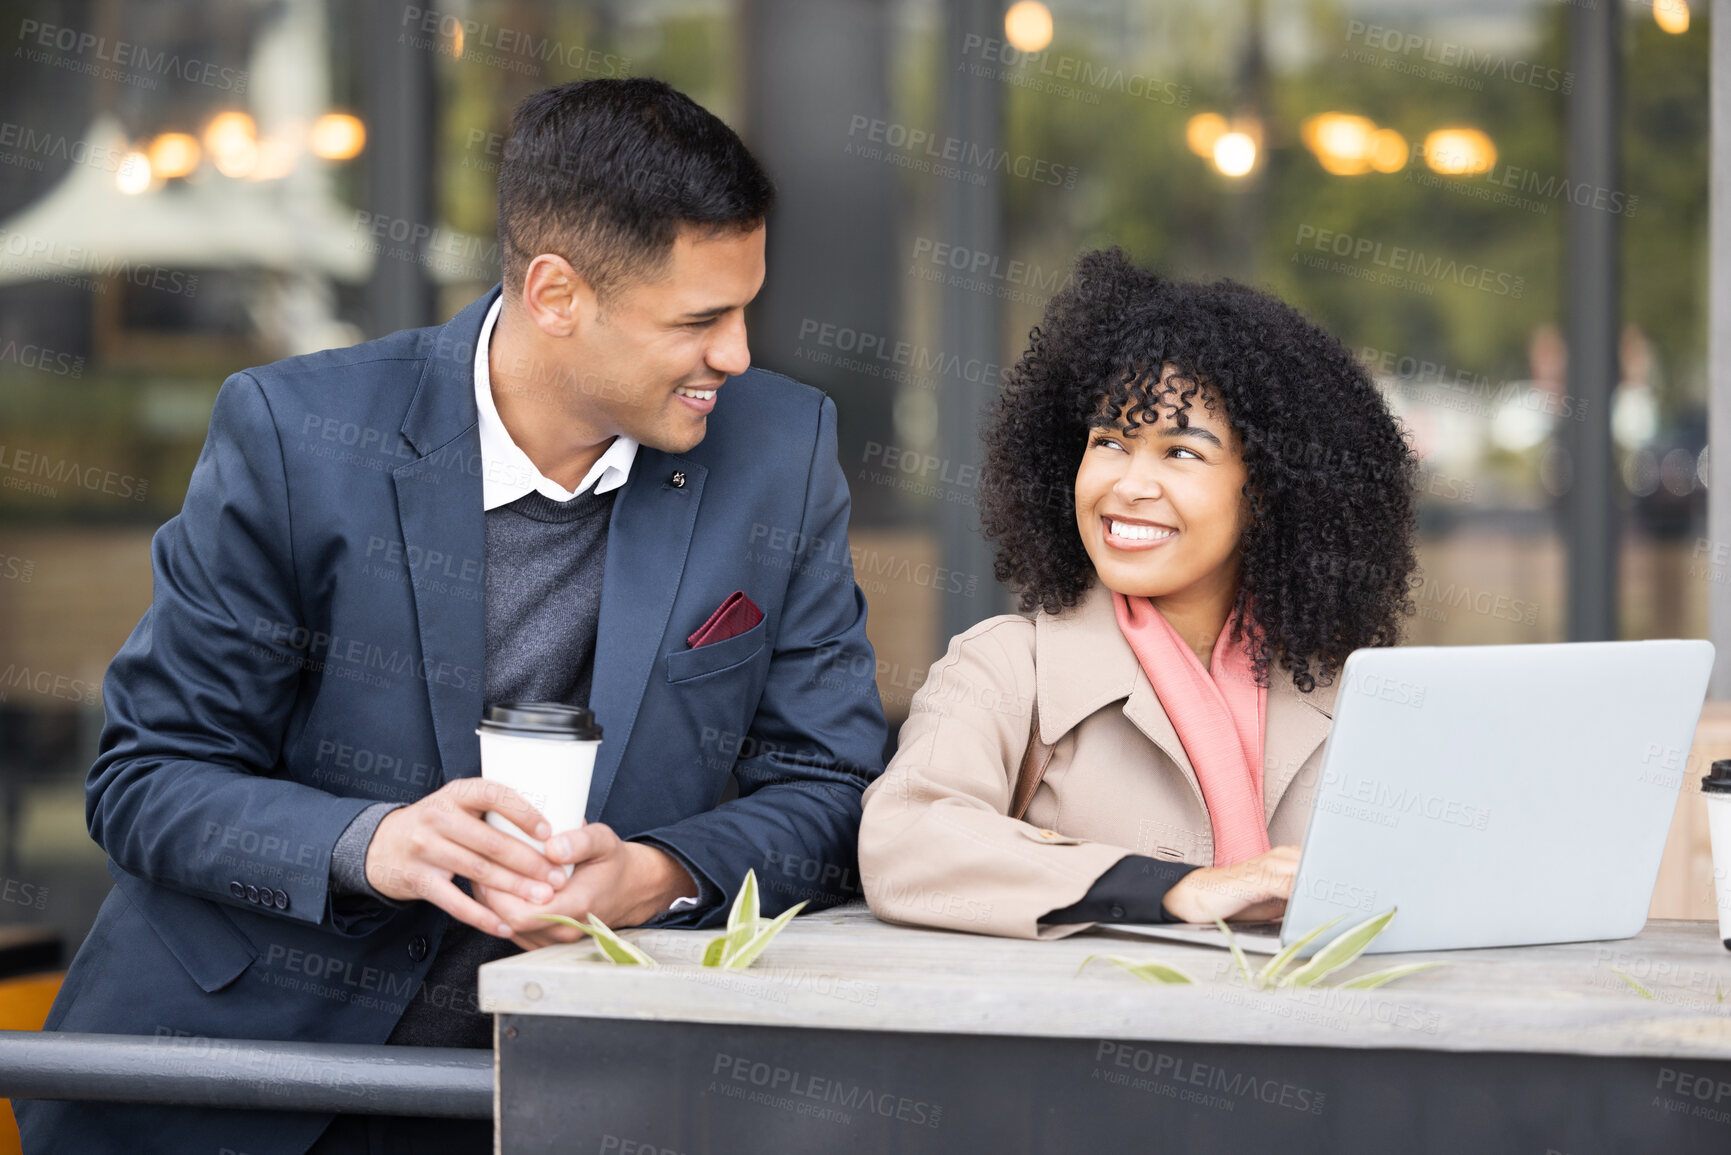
(190, 187)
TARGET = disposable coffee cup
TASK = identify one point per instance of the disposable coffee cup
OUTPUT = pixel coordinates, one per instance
(1717, 788)
(545, 752)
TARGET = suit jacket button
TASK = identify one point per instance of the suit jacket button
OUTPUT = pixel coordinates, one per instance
(237, 890)
(252, 894)
(281, 899)
(418, 948)
(1048, 834)
(1116, 911)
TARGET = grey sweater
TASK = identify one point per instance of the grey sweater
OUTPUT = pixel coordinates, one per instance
(545, 561)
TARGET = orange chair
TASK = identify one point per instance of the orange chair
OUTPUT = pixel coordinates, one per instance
(24, 999)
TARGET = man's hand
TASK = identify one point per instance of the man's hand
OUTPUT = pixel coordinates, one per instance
(624, 883)
(1251, 891)
(417, 850)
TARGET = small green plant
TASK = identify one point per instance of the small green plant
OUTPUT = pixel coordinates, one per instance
(1152, 971)
(747, 935)
(1642, 990)
(613, 948)
(1340, 951)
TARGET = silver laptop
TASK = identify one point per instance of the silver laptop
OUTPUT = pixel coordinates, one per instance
(1496, 795)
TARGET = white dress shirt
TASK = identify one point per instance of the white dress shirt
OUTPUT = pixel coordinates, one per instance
(506, 471)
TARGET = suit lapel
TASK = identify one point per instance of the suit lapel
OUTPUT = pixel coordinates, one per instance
(439, 511)
(647, 541)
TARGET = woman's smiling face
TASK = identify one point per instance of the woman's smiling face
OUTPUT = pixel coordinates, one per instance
(1161, 509)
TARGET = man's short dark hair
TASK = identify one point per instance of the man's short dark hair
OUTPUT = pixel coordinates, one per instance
(605, 172)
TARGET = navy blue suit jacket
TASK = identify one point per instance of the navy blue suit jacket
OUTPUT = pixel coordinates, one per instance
(315, 644)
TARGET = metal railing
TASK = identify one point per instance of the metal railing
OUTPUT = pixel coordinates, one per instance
(343, 1078)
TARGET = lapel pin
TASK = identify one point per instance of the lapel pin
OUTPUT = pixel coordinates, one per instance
(678, 479)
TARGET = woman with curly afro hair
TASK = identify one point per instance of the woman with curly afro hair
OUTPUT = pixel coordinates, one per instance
(1205, 506)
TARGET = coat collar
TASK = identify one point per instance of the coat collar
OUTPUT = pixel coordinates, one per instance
(1083, 663)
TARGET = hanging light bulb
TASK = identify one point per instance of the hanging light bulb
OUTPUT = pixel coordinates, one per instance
(1340, 141)
(133, 176)
(1028, 26)
(1235, 153)
(1459, 152)
(1388, 150)
(231, 138)
(338, 136)
(1203, 130)
(173, 154)
(1672, 15)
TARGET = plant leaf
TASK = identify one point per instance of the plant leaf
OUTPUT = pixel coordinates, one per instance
(615, 948)
(713, 952)
(742, 922)
(1152, 971)
(731, 943)
(744, 912)
(1237, 952)
(1340, 951)
(1272, 968)
(1377, 978)
(1639, 989)
(747, 954)
(568, 921)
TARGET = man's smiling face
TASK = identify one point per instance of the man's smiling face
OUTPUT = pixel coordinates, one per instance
(651, 363)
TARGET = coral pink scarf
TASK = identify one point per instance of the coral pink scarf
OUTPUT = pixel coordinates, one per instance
(1219, 716)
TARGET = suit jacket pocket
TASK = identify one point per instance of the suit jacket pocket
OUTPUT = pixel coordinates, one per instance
(685, 665)
(210, 947)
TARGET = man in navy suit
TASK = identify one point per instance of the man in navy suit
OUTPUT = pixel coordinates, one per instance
(547, 499)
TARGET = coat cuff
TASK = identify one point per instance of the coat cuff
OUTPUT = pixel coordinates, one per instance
(684, 912)
(1131, 891)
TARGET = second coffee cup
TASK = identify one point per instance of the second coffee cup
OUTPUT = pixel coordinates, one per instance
(1717, 788)
(546, 753)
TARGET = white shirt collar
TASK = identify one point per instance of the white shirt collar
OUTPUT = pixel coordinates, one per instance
(506, 471)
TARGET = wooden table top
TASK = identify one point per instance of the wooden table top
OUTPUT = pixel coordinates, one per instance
(843, 969)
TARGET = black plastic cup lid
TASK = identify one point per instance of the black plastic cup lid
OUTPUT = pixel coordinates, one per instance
(541, 720)
(1718, 779)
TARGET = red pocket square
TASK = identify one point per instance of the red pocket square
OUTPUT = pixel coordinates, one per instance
(730, 619)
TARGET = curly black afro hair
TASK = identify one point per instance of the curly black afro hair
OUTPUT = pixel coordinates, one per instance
(1327, 553)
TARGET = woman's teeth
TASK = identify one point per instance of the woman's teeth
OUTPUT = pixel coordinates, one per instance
(1137, 532)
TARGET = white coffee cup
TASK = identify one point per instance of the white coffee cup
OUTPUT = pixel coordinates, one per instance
(546, 753)
(1716, 786)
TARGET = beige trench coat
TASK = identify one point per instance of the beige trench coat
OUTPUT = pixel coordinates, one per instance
(937, 846)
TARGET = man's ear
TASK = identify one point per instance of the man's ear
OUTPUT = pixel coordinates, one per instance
(556, 297)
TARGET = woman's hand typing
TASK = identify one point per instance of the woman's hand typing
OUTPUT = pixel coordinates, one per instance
(1249, 891)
